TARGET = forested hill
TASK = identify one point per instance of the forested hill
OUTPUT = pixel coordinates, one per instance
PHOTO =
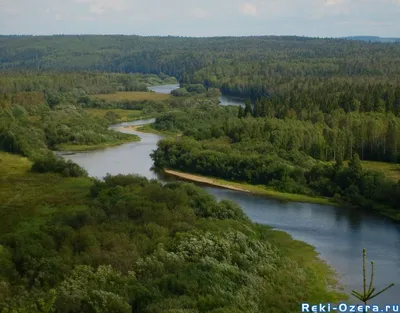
(239, 66)
(175, 55)
(373, 39)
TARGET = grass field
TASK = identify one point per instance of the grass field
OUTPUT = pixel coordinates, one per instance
(27, 198)
(133, 96)
(389, 169)
(125, 115)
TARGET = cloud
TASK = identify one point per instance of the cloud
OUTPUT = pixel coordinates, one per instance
(86, 18)
(334, 2)
(210, 18)
(200, 13)
(249, 9)
(104, 6)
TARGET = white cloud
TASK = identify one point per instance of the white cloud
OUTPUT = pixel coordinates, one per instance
(86, 18)
(249, 9)
(199, 13)
(334, 2)
(211, 17)
(104, 6)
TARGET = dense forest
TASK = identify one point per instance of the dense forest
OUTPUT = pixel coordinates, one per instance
(42, 111)
(242, 66)
(288, 155)
(127, 244)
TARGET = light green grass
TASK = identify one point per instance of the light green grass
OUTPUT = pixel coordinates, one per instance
(390, 170)
(133, 96)
(26, 197)
(307, 255)
(125, 115)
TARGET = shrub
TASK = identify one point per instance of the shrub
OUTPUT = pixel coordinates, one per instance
(54, 164)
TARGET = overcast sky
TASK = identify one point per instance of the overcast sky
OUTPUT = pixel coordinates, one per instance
(320, 18)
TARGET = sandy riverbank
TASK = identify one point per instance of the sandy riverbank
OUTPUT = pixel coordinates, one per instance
(134, 127)
(260, 190)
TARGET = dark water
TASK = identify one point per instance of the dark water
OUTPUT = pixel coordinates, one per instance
(224, 100)
(164, 89)
(338, 234)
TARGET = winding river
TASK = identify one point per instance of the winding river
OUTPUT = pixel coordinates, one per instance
(224, 100)
(338, 234)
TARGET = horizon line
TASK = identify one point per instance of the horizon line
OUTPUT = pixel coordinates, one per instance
(182, 36)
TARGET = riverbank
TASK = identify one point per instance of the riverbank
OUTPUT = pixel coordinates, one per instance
(80, 148)
(148, 129)
(259, 190)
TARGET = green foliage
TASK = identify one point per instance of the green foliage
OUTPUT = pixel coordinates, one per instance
(58, 87)
(248, 67)
(126, 244)
(279, 153)
(54, 164)
(96, 291)
(136, 245)
(180, 92)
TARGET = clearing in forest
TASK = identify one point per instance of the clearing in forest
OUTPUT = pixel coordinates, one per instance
(133, 96)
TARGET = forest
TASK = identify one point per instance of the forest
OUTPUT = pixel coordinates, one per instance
(315, 111)
(288, 155)
(241, 66)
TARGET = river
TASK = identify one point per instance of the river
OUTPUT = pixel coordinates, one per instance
(224, 100)
(338, 234)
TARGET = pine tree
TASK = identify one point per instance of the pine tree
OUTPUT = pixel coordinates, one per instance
(241, 112)
(257, 109)
(355, 165)
(248, 110)
(368, 294)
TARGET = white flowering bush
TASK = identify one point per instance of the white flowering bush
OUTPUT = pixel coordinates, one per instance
(99, 291)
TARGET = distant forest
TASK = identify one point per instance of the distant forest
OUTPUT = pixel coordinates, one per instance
(240, 66)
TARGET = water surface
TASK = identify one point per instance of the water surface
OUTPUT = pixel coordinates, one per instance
(224, 100)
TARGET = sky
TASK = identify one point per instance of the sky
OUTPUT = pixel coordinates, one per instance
(315, 18)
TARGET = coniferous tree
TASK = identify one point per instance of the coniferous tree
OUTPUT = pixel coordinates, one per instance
(241, 112)
(248, 110)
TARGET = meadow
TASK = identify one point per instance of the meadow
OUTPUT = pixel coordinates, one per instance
(133, 96)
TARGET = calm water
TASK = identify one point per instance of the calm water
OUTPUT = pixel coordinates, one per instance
(339, 235)
(224, 100)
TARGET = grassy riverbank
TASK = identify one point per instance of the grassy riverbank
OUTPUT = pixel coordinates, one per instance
(390, 170)
(148, 128)
(394, 215)
(133, 96)
(260, 190)
(76, 148)
(120, 114)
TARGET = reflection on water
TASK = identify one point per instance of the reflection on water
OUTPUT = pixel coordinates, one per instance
(224, 100)
(164, 89)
